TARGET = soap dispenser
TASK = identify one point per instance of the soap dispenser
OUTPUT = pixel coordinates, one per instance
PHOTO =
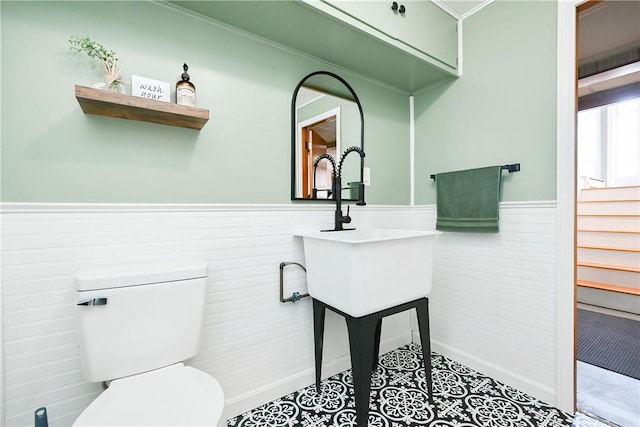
(185, 90)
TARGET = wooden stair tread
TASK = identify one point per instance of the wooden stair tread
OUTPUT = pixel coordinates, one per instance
(610, 214)
(607, 287)
(609, 266)
(609, 248)
(608, 231)
(609, 188)
(609, 201)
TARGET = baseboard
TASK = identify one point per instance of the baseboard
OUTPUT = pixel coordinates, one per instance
(527, 385)
(260, 396)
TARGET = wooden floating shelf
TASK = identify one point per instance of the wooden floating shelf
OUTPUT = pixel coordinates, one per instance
(112, 104)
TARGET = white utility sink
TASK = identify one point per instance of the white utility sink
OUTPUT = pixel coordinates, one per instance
(367, 270)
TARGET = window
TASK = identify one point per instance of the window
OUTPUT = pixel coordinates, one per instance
(609, 143)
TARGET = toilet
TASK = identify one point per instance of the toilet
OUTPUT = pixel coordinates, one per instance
(137, 324)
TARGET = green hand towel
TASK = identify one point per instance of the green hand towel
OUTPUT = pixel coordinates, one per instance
(467, 200)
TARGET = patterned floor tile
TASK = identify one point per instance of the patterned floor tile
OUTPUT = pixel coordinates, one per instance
(463, 398)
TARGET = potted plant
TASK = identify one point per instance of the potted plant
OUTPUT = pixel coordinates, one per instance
(112, 78)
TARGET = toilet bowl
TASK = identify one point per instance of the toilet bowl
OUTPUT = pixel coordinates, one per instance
(136, 324)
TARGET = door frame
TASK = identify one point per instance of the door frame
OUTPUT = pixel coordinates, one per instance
(566, 205)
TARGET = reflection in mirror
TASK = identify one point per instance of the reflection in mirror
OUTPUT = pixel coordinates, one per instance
(316, 135)
(326, 119)
(351, 177)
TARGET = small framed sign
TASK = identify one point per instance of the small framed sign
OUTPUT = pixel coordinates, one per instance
(150, 89)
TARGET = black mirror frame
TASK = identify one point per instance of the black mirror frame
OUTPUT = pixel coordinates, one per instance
(293, 131)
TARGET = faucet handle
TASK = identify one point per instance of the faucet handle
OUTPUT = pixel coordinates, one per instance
(347, 219)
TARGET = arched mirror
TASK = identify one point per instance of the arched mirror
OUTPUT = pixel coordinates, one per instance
(326, 119)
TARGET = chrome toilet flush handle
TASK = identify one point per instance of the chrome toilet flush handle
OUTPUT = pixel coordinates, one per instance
(93, 301)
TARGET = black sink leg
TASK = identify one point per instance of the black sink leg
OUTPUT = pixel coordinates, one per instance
(318, 336)
(364, 343)
(422, 309)
(362, 337)
(376, 345)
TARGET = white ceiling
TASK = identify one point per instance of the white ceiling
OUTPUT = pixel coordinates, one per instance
(462, 8)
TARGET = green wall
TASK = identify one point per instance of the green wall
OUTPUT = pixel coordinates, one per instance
(52, 152)
(502, 110)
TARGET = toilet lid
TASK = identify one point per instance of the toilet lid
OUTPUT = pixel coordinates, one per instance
(177, 395)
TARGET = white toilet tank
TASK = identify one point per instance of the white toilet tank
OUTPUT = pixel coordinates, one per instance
(136, 318)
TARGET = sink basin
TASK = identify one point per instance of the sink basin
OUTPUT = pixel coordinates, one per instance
(363, 271)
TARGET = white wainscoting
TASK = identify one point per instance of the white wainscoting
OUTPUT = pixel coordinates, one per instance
(258, 348)
(493, 300)
(493, 305)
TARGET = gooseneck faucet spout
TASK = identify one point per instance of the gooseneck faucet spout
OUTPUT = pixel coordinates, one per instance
(341, 219)
(333, 175)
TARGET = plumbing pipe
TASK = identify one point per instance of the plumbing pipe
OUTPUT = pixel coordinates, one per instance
(296, 296)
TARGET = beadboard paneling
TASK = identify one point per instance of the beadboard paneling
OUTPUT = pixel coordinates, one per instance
(258, 348)
(492, 307)
(493, 299)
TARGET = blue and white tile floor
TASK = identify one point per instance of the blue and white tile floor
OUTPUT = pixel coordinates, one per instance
(463, 398)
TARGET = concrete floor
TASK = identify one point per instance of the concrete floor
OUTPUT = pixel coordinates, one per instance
(608, 395)
(581, 420)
